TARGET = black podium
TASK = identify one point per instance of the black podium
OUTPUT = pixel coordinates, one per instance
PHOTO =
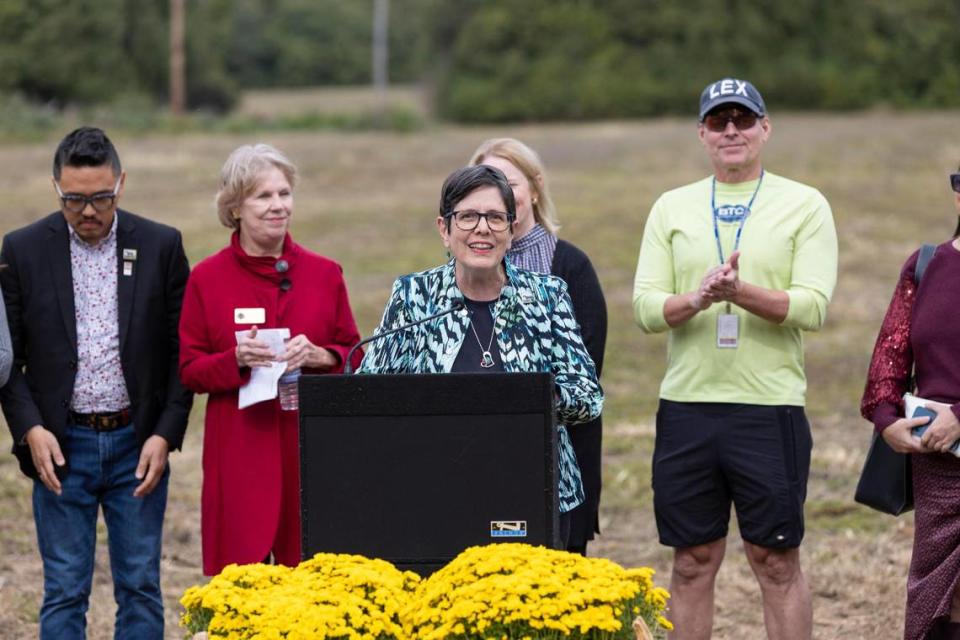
(413, 469)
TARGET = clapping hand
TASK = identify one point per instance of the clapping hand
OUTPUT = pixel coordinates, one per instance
(720, 284)
(703, 297)
(723, 282)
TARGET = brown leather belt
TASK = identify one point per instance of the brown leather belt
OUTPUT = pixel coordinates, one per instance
(101, 422)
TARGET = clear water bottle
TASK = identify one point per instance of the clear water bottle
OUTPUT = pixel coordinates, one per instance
(287, 390)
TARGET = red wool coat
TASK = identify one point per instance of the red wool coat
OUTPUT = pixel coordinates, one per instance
(250, 502)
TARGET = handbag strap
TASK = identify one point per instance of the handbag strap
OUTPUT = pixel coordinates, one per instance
(926, 254)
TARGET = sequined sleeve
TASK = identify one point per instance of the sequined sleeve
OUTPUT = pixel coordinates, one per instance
(889, 375)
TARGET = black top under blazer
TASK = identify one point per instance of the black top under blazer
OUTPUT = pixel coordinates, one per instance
(590, 308)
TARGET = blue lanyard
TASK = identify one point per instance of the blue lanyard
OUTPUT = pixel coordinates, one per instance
(743, 218)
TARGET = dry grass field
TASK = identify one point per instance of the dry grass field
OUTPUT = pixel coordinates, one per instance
(368, 200)
(270, 103)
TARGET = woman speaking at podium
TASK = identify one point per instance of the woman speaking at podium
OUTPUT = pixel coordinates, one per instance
(502, 319)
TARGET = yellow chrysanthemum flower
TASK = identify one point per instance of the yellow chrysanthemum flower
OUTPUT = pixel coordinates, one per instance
(498, 591)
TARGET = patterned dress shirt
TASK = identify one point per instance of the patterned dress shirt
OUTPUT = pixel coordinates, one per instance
(99, 386)
(534, 251)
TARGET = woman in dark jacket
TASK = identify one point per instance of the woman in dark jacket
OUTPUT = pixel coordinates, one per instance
(537, 248)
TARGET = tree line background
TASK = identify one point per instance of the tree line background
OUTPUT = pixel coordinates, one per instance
(494, 60)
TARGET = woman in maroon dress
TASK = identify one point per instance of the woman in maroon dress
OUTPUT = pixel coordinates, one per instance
(920, 331)
(250, 505)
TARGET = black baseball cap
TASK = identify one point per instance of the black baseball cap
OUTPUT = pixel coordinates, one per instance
(731, 90)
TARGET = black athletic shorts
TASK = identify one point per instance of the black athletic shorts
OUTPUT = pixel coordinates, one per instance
(708, 455)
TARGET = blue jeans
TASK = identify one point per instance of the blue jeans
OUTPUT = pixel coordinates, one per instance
(102, 467)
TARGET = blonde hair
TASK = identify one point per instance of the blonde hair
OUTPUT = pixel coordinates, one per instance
(528, 162)
(240, 175)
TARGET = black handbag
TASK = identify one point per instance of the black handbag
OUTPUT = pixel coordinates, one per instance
(886, 482)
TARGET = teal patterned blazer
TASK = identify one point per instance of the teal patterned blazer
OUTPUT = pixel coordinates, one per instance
(536, 332)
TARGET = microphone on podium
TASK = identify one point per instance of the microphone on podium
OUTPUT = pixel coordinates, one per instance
(348, 365)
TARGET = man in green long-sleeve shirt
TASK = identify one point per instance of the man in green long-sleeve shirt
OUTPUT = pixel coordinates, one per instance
(735, 267)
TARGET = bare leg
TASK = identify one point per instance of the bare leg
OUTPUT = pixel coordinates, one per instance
(691, 589)
(787, 605)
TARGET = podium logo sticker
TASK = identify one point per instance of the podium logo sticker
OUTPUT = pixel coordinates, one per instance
(508, 528)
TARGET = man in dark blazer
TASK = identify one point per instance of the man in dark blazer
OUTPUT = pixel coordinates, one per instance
(94, 404)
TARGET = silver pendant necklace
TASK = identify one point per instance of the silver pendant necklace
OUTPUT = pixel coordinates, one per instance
(486, 358)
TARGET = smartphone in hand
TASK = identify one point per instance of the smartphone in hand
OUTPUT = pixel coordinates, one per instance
(923, 412)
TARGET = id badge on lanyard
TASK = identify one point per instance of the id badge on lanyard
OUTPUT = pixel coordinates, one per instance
(728, 323)
(728, 330)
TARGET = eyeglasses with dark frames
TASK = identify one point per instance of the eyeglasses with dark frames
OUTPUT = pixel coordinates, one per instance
(742, 120)
(76, 202)
(469, 220)
(955, 182)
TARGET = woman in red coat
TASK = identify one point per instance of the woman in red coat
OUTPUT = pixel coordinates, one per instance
(262, 279)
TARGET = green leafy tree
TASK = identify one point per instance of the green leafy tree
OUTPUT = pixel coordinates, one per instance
(574, 59)
(293, 43)
(64, 52)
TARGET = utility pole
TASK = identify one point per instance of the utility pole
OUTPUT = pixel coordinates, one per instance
(178, 82)
(381, 19)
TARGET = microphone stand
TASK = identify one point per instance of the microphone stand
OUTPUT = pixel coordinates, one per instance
(348, 365)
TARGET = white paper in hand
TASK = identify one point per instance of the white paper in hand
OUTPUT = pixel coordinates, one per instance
(262, 384)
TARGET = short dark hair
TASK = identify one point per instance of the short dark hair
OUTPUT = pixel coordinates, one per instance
(465, 181)
(85, 147)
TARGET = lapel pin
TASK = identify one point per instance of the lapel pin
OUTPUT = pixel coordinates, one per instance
(130, 254)
(127, 268)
